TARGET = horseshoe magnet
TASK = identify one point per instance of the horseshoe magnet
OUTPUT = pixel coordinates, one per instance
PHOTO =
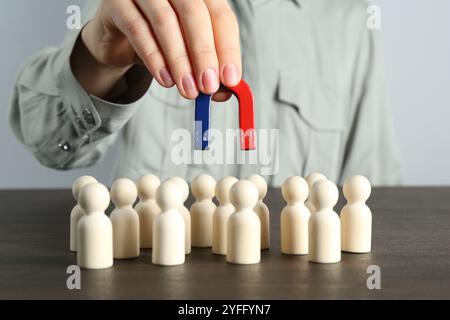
(246, 117)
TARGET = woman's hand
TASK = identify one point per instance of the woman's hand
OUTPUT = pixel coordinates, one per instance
(191, 43)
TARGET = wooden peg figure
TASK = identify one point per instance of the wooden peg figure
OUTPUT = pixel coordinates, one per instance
(202, 211)
(295, 217)
(94, 230)
(356, 217)
(244, 226)
(125, 220)
(147, 208)
(311, 180)
(168, 227)
(77, 212)
(324, 225)
(184, 189)
(261, 209)
(222, 214)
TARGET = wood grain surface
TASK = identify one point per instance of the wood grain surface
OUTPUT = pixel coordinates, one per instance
(411, 245)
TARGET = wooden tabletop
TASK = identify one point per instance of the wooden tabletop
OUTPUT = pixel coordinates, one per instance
(411, 246)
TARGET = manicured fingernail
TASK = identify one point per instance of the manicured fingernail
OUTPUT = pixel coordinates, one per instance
(189, 86)
(166, 77)
(210, 81)
(230, 75)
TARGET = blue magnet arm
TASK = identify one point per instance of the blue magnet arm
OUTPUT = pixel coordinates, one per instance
(202, 116)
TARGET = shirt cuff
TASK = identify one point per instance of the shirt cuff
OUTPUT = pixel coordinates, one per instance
(90, 118)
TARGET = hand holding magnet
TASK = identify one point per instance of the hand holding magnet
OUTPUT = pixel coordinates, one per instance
(246, 117)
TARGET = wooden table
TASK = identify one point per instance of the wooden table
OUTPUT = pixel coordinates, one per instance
(411, 245)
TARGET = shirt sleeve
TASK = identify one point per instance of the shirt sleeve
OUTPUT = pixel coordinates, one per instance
(58, 121)
(371, 145)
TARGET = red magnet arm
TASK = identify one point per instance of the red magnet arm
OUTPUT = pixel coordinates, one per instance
(246, 115)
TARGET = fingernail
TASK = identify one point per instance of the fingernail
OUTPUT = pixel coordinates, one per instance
(230, 75)
(210, 81)
(189, 86)
(166, 77)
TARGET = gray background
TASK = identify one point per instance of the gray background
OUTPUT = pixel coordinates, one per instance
(417, 52)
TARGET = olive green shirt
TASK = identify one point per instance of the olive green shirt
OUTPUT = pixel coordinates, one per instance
(316, 71)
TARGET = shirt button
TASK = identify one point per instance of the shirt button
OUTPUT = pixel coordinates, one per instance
(88, 117)
(80, 123)
(64, 146)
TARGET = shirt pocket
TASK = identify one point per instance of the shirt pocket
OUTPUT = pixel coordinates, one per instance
(315, 121)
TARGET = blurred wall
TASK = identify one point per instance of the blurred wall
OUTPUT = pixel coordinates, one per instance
(417, 51)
